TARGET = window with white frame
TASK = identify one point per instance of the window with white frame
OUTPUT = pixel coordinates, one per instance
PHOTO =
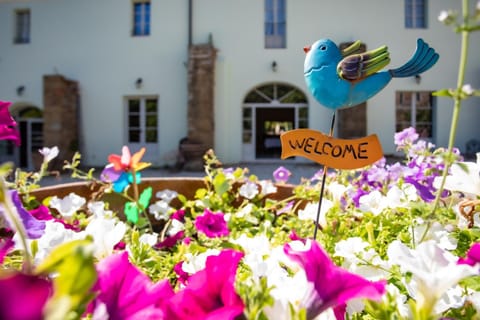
(415, 109)
(275, 24)
(142, 119)
(141, 18)
(22, 26)
(415, 14)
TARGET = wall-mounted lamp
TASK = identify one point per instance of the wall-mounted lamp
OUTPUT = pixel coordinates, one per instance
(20, 90)
(274, 66)
(138, 83)
(418, 79)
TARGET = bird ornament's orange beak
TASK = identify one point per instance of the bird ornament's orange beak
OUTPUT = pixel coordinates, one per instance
(306, 49)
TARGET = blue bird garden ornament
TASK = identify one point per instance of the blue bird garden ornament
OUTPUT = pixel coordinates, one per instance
(345, 78)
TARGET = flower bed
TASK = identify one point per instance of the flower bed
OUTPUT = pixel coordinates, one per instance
(230, 246)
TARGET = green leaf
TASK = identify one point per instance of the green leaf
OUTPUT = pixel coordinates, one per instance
(131, 212)
(220, 183)
(443, 93)
(145, 197)
(75, 274)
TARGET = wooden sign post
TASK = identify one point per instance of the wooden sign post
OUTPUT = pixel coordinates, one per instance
(330, 152)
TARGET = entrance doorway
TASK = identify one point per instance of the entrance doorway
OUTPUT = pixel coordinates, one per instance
(268, 111)
(270, 124)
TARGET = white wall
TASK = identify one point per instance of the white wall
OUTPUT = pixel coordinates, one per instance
(89, 41)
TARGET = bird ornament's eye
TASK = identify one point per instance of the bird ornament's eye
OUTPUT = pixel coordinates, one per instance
(323, 47)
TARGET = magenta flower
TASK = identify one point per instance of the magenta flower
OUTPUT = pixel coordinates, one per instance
(23, 296)
(473, 255)
(8, 125)
(212, 224)
(5, 246)
(170, 241)
(334, 286)
(178, 215)
(127, 292)
(281, 174)
(210, 293)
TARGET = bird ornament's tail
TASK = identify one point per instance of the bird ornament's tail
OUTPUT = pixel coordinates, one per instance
(422, 60)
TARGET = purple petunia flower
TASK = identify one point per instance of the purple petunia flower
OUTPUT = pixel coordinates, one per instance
(23, 296)
(405, 137)
(212, 224)
(281, 174)
(210, 293)
(333, 285)
(473, 255)
(127, 292)
(33, 227)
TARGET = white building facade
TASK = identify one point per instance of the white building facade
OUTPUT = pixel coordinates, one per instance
(129, 58)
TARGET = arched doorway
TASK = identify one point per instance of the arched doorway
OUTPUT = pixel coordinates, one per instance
(30, 125)
(269, 110)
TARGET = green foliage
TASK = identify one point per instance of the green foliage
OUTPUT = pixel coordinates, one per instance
(73, 265)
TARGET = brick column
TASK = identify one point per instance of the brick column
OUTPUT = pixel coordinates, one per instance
(201, 91)
(60, 116)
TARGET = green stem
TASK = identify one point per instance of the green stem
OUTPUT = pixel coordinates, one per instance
(457, 101)
(136, 198)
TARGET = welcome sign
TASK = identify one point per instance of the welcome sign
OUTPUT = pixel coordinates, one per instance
(329, 151)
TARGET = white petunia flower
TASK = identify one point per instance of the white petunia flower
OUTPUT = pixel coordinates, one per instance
(149, 239)
(399, 198)
(55, 235)
(98, 209)
(373, 202)
(160, 210)
(464, 177)
(68, 205)
(311, 209)
(195, 263)
(49, 153)
(267, 187)
(248, 190)
(167, 195)
(360, 259)
(434, 270)
(337, 190)
(106, 233)
(436, 232)
(175, 227)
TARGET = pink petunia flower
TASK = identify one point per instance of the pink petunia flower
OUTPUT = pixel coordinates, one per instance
(23, 296)
(333, 285)
(8, 130)
(473, 255)
(127, 292)
(212, 224)
(210, 293)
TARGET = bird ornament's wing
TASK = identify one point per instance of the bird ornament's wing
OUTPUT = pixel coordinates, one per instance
(357, 66)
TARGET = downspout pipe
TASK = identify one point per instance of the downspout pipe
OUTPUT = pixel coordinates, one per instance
(190, 22)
